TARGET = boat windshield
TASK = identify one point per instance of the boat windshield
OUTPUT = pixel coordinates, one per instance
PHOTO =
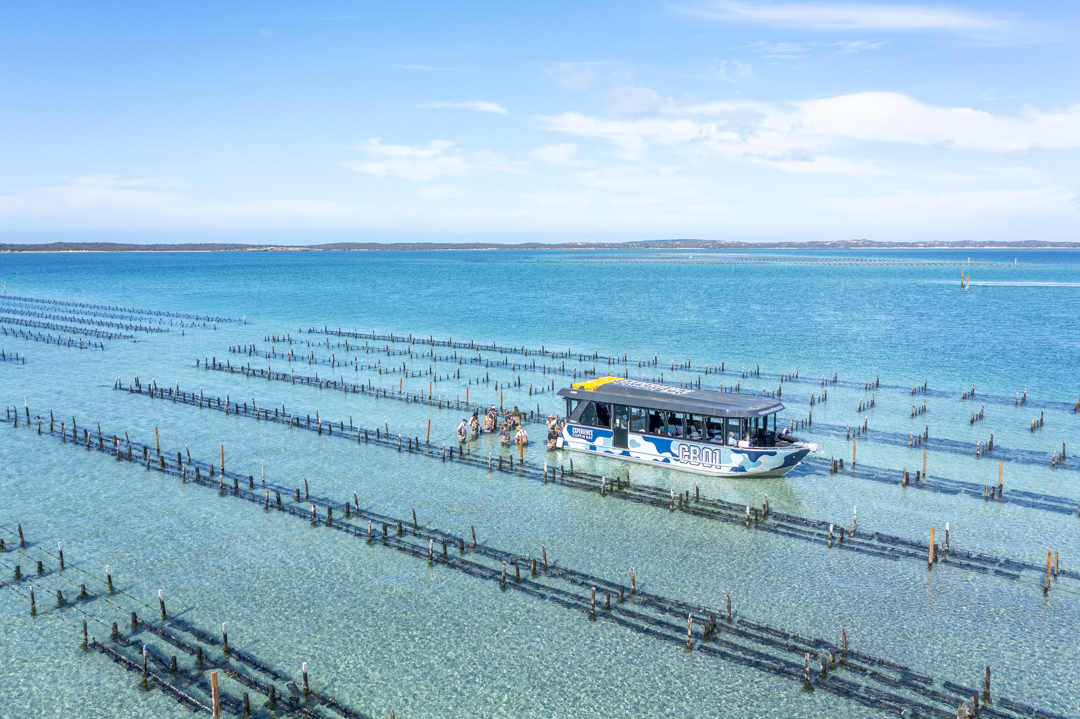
(596, 414)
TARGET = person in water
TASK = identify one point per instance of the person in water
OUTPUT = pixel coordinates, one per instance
(553, 431)
(504, 434)
(463, 431)
(522, 437)
(515, 416)
(474, 426)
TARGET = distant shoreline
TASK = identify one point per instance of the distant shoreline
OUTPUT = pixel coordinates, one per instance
(698, 245)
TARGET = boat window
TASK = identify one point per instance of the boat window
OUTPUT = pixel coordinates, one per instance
(753, 431)
(588, 415)
(596, 414)
(714, 430)
(675, 424)
(733, 433)
(657, 422)
(638, 420)
(571, 405)
(694, 426)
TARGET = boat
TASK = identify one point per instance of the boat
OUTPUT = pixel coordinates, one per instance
(692, 430)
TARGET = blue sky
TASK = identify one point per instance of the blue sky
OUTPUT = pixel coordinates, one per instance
(736, 120)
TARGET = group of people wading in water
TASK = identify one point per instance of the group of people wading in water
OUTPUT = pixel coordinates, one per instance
(511, 431)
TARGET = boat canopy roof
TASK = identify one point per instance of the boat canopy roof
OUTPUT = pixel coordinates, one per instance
(637, 393)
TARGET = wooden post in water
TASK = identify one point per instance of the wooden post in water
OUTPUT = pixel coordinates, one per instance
(215, 696)
(156, 440)
(222, 461)
(930, 559)
(1001, 470)
(924, 463)
(1046, 582)
(427, 440)
(853, 453)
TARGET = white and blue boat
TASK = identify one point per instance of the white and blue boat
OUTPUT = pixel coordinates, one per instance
(701, 431)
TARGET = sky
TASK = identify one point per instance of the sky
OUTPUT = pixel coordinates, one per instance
(641, 119)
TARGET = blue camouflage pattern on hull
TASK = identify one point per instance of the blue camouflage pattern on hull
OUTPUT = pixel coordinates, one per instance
(690, 456)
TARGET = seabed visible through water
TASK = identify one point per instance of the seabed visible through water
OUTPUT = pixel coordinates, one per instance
(261, 450)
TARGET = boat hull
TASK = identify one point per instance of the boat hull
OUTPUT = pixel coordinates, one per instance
(687, 455)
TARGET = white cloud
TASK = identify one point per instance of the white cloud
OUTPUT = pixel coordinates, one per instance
(629, 100)
(419, 164)
(559, 154)
(796, 138)
(893, 117)
(795, 50)
(850, 16)
(994, 202)
(734, 71)
(440, 193)
(850, 47)
(561, 200)
(474, 105)
(92, 195)
(650, 186)
(630, 134)
(573, 76)
(822, 164)
(113, 201)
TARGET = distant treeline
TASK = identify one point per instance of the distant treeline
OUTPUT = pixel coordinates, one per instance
(634, 245)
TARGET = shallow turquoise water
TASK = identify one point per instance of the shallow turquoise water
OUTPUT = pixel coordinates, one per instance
(382, 630)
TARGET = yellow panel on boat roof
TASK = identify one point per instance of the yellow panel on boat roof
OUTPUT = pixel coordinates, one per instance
(594, 383)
